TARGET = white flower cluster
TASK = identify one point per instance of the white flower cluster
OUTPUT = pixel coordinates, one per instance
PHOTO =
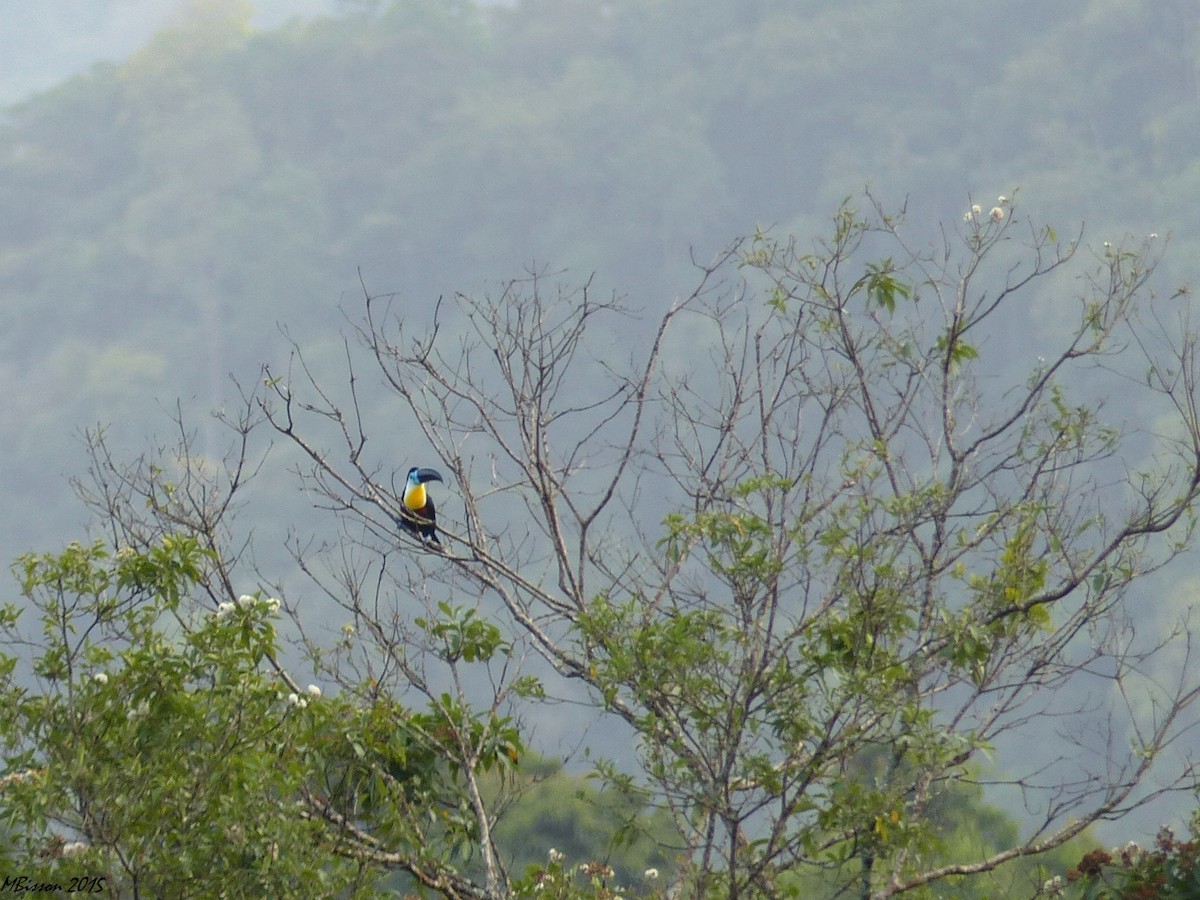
(312, 692)
(1054, 887)
(137, 711)
(19, 777)
(996, 214)
(247, 601)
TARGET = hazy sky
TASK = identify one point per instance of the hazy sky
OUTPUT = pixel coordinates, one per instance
(43, 43)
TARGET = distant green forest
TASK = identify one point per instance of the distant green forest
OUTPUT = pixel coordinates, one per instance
(165, 215)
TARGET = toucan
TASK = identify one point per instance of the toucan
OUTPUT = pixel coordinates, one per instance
(419, 515)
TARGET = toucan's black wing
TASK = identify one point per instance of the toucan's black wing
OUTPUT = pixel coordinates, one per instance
(406, 522)
(420, 523)
(428, 525)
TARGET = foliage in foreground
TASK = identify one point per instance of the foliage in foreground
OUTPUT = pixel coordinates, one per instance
(157, 747)
(152, 748)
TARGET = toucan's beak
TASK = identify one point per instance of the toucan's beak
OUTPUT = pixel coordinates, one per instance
(424, 475)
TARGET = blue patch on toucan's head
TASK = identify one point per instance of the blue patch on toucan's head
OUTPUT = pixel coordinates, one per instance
(420, 476)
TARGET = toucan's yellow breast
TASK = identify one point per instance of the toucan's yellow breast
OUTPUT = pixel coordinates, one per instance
(414, 497)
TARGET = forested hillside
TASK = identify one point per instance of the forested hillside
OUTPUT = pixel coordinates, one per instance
(165, 214)
(182, 216)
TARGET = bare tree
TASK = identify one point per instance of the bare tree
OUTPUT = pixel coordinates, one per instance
(820, 535)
